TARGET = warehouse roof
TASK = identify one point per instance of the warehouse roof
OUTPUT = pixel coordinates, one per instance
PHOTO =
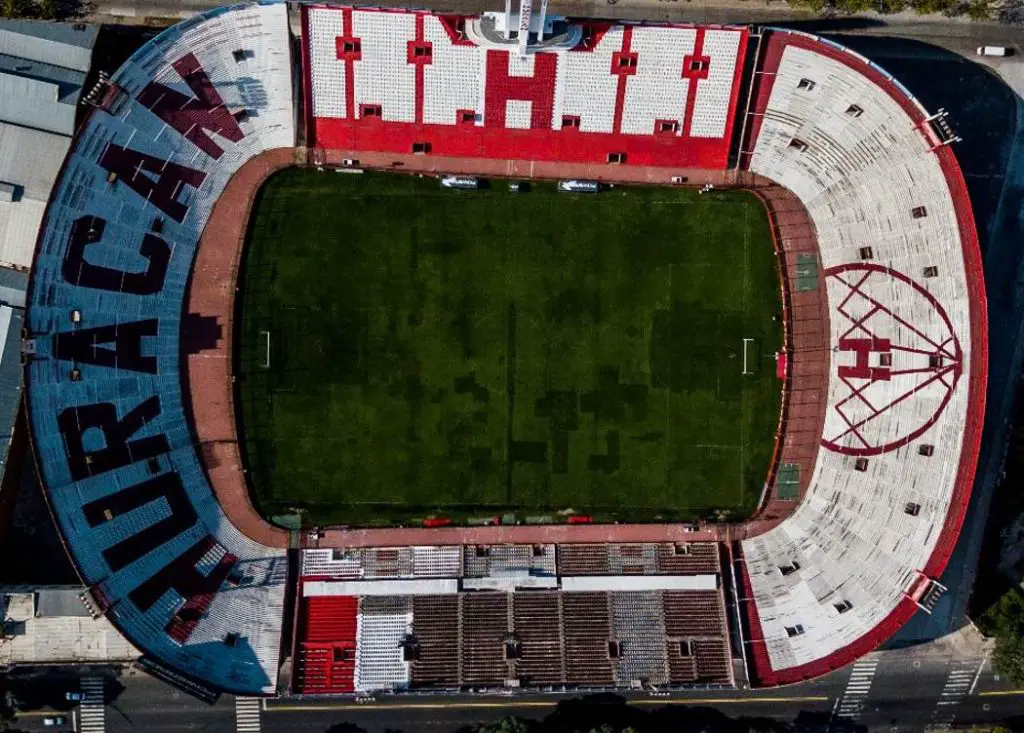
(61, 44)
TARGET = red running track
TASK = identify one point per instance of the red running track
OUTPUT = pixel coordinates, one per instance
(209, 383)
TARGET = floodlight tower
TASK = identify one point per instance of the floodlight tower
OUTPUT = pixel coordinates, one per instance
(496, 29)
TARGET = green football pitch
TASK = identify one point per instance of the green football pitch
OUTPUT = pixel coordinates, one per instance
(407, 351)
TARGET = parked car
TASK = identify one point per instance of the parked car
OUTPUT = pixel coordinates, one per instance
(993, 51)
(74, 696)
(467, 182)
(54, 720)
(579, 186)
(678, 180)
(350, 163)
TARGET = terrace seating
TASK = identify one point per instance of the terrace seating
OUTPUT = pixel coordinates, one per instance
(481, 562)
(890, 485)
(183, 584)
(412, 78)
(384, 624)
(638, 624)
(383, 74)
(383, 562)
(435, 627)
(327, 650)
(689, 558)
(662, 95)
(697, 637)
(330, 563)
(588, 90)
(538, 630)
(492, 639)
(437, 562)
(714, 662)
(485, 624)
(583, 559)
(633, 559)
(694, 613)
(711, 104)
(451, 81)
(588, 629)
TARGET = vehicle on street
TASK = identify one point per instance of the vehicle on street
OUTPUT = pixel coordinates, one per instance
(993, 51)
(54, 721)
(74, 696)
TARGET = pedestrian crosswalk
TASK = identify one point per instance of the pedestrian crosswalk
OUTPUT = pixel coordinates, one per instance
(92, 709)
(958, 685)
(857, 688)
(247, 714)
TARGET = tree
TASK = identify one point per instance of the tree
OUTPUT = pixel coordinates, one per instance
(1005, 621)
(43, 9)
(507, 725)
(7, 713)
(978, 10)
(1008, 657)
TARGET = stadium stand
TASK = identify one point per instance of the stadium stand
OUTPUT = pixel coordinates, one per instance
(896, 275)
(389, 80)
(433, 632)
(685, 558)
(864, 549)
(436, 630)
(113, 443)
(327, 655)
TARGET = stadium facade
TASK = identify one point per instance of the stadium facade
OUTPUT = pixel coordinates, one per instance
(128, 344)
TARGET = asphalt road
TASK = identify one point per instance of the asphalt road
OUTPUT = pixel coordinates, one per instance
(931, 686)
(764, 12)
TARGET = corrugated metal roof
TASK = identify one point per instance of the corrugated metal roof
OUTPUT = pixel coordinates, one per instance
(70, 81)
(418, 587)
(19, 228)
(13, 287)
(59, 602)
(11, 321)
(61, 44)
(38, 104)
(31, 160)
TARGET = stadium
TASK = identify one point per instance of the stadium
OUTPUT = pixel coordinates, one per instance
(142, 348)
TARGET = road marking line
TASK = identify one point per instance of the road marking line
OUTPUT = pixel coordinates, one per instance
(247, 714)
(858, 687)
(273, 707)
(92, 711)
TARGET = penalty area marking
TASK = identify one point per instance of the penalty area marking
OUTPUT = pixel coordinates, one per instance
(266, 360)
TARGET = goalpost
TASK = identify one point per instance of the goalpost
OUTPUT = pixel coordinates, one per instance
(266, 360)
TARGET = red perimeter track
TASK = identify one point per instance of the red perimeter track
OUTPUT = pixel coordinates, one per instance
(209, 384)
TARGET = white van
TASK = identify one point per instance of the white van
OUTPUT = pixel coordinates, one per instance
(579, 186)
(992, 51)
(467, 182)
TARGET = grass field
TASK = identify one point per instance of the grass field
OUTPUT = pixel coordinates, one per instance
(471, 353)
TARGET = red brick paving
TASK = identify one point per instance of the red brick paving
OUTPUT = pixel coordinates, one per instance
(209, 391)
(805, 390)
(209, 382)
